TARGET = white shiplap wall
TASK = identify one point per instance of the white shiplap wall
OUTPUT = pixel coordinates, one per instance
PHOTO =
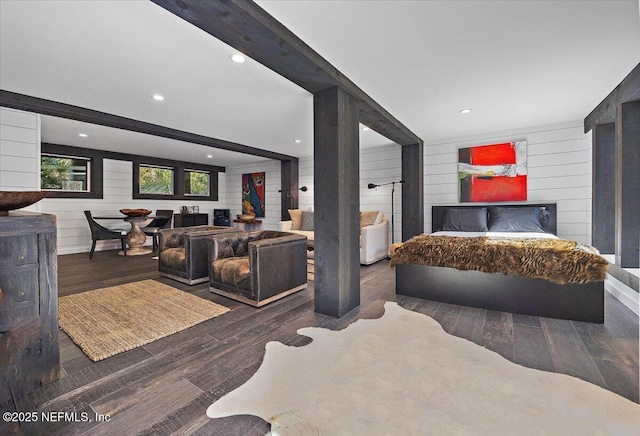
(73, 231)
(377, 165)
(381, 165)
(305, 178)
(20, 152)
(559, 170)
(233, 190)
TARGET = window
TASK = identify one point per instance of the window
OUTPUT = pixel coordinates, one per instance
(162, 179)
(70, 172)
(196, 183)
(155, 180)
(75, 172)
(65, 173)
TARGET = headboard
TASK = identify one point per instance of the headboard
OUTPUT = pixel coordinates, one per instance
(437, 213)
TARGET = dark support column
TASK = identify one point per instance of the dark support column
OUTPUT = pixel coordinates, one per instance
(289, 187)
(412, 190)
(603, 220)
(336, 202)
(628, 184)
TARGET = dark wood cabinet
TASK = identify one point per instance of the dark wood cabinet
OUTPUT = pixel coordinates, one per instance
(29, 354)
(190, 219)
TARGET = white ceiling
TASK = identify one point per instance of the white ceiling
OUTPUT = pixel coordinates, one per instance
(516, 64)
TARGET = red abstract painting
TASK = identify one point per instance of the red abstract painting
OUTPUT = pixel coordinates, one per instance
(492, 173)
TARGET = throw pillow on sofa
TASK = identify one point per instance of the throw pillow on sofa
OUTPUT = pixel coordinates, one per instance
(307, 221)
(296, 218)
(368, 217)
(379, 219)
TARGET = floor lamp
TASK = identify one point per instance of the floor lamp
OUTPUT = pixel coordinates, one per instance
(393, 190)
(303, 189)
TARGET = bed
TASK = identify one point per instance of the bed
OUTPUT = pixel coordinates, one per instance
(564, 291)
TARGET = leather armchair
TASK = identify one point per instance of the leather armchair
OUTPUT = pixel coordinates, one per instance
(183, 252)
(257, 268)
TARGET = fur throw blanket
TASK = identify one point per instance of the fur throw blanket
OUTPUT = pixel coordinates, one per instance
(555, 260)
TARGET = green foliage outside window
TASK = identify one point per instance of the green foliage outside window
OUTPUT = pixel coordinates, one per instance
(63, 173)
(154, 180)
(196, 183)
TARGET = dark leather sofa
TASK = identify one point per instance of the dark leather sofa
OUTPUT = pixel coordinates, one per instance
(257, 268)
(183, 252)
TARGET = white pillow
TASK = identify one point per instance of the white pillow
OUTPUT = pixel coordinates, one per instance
(379, 218)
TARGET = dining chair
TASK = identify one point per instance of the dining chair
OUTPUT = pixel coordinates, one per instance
(161, 221)
(100, 233)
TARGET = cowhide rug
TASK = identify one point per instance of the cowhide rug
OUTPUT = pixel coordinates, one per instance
(403, 375)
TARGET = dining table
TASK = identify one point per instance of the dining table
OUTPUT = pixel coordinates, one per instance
(135, 236)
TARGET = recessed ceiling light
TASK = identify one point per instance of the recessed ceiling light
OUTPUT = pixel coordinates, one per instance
(238, 58)
(209, 156)
(297, 141)
(365, 129)
(465, 111)
(82, 135)
(158, 97)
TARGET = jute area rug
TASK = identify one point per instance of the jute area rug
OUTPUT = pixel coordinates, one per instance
(111, 320)
(403, 375)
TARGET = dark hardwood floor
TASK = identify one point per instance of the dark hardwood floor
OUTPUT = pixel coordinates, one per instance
(165, 387)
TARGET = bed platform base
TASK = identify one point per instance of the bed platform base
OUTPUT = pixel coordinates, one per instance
(523, 295)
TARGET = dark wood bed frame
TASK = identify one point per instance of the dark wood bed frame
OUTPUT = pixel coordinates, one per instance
(524, 295)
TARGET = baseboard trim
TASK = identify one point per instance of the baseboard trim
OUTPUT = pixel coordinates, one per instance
(100, 246)
(255, 303)
(183, 280)
(623, 293)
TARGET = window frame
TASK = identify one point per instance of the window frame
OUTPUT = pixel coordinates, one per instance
(160, 167)
(191, 170)
(87, 172)
(179, 169)
(96, 184)
(94, 178)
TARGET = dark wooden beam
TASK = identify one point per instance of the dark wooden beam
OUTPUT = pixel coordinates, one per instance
(603, 224)
(412, 190)
(336, 202)
(288, 187)
(106, 154)
(605, 112)
(628, 185)
(250, 29)
(377, 118)
(62, 110)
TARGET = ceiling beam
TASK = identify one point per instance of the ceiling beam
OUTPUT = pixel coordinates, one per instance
(248, 28)
(628, 90)
(48, 107)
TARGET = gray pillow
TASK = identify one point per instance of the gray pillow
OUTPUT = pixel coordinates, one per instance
(518, 219)
(307, 221)
(465, 219)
